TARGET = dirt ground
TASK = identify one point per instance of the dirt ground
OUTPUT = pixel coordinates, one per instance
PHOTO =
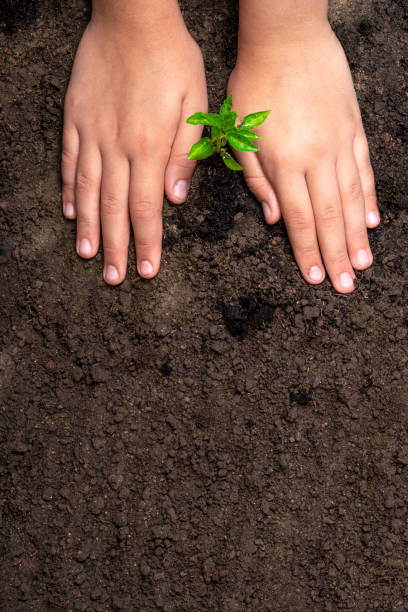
(224, 437)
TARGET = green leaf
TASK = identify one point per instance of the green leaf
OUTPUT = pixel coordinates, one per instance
(226, 107)
(254, 119)
(239, 142)
(229, 161)
(248, 134)
(202, 149)
(205, 119)
(214, 132)
(229, 121)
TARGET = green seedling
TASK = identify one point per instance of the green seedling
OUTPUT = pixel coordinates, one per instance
(223, 130)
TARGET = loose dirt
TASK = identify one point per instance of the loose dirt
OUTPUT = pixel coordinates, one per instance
(224, 437)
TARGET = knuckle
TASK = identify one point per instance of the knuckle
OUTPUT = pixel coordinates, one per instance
(148, 144)
(67, 157)
(366, 166)
(298, 218)
(146, 245)
(111, 250)
(306, 250)
(84, 182)
(144, 209)
(338, 259)
(255, 183)
(67, 191)
(180, 160)
(319, 149)
(370, 197)
(360, 235)
(72, 104)
(285, 158)
(329, 214)
(354, 192)
(85, 221)
(111, 204)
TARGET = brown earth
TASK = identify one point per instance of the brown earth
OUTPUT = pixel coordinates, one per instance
(224, 437)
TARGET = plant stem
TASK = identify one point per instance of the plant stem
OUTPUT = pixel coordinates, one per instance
(219, 141)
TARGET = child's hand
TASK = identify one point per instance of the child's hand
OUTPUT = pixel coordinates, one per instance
(126, 139)
(314, 154)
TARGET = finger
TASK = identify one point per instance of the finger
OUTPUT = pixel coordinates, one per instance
(353, 206)
(87, 192)
(179, 169)
(297, 213)
(69, 159)
(145, 206)
(259, 185)
(326, 203)
(362, 156)
(115, 216)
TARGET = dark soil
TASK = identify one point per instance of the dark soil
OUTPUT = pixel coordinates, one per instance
(224, 437)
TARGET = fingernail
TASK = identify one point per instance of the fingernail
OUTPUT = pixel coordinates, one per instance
(146, 268)
(315, 273)
(346, 281)
(84, 248)
(363, 258)
(69, 210)
(266, 209)
(373, 217)
(110, 273)
(180, 189)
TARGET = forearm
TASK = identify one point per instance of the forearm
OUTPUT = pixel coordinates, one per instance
(289, 21)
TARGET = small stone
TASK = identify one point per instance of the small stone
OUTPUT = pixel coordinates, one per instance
(389, 502)
(219, 347)
(119, 416)
(65, 492)
(79, 579)
(99, 374)
(76, 374)
(172, 421)
(115, 480)
(401, 333)
(397, 524)
(20, 447)
(339, 560)
(209, 571)
(283, 461)
(403, 454)
(311, 312)
(396, 564)
(82, 554)
(48, 494)
(292, 414)
(97, 443)
(388, 545)
(120, 519)
(124, 493)
(144, 568)
(97, 505)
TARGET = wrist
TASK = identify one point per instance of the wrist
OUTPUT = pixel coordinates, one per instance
(288, 23)
(146, 19)
(288, 39)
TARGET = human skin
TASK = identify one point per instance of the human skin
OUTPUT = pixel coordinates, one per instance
(136, 78)
(314, 166)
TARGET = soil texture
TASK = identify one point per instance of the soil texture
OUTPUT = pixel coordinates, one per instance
(223, 437)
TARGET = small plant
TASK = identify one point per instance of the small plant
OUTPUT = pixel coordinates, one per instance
(223, 130)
